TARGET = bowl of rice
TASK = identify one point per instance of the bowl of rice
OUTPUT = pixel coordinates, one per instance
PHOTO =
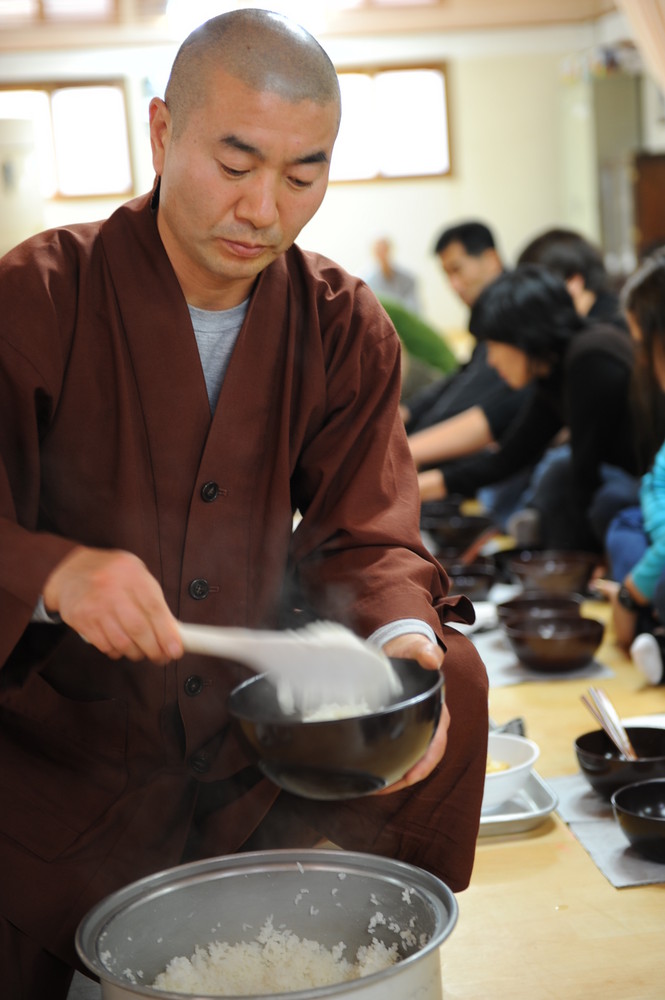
(307, 924)
(335, 753)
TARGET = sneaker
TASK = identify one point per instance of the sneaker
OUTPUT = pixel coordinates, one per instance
(646, 653)
(524, 527)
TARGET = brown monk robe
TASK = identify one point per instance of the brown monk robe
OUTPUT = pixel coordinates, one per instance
(129, 496)
(103, 762)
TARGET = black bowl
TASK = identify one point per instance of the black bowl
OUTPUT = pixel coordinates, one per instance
(475, 580)
(606, 771)
(459, 531)
(554, 645)
(432, 511)
(554, 570)
(540, 604)
(639, 810)
(340, 758)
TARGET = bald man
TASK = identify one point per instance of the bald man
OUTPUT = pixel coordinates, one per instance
(174, 383)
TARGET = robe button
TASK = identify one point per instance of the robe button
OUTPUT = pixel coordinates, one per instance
(200, 762)
(209, 492)
(199, 589)
(193, 685)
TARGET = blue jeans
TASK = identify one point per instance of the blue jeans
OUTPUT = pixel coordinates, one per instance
(626, 543)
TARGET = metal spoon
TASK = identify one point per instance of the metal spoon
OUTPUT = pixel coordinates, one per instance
(604, 712)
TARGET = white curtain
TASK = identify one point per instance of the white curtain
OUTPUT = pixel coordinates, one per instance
(647, 20)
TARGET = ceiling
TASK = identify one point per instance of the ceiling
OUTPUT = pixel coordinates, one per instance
(143, 21)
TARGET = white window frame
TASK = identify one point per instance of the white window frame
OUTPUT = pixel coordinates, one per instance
(51, 88)
(367, 144)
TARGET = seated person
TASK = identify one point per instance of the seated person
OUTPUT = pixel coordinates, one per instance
(480, 402)
(535, 336)
(469, 258)
(635, 540)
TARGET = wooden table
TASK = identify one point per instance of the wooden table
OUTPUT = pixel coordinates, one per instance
(540, 921)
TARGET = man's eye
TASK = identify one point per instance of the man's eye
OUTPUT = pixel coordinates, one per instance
(232, 171)
(298, 182)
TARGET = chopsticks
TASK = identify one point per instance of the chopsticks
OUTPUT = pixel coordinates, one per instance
(605, 714)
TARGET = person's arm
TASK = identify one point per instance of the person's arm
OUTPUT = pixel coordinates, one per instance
(525, 441)
(114, 603)
(357, 551)
(464, 434)
(110, 598)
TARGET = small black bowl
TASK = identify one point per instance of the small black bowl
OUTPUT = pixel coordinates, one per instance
(339, 758)
(555, 570)
(540, 604)
(639, 810)
(606, 770)
(554, 645)
(459, 531)
(475, 580)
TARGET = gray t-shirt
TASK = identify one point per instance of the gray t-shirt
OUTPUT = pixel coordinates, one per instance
(216, 334)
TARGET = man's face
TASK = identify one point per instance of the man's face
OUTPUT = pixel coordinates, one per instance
(247, 170)
(511, 363)
(469, 275)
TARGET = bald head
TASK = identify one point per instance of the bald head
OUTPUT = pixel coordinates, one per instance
(266, 51)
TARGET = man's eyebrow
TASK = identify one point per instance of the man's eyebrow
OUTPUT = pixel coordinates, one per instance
(235, 142)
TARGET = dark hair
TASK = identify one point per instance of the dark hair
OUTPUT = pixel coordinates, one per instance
(475, 237)
(643, 296)
(529, 308)
(567, 253)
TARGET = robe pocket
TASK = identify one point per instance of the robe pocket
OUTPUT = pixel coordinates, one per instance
(64, 763)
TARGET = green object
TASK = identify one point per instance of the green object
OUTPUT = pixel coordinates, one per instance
(420, 339)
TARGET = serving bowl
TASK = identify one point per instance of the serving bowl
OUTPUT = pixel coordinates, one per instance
(325, 896)
(554, 570)
(339, 758)
(606, 770)
(520, 754)
(639, 809)
(540, 604)
(554, 645)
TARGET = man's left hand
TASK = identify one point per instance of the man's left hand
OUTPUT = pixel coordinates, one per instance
(430, 656)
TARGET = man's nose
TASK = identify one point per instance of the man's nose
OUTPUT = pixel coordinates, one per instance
(258, 203)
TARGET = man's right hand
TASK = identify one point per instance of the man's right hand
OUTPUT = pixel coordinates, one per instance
(111, 599)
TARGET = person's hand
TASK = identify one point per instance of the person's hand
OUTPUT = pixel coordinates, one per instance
(111, 599)
(624, 621)
(432, 485)
(430, 656)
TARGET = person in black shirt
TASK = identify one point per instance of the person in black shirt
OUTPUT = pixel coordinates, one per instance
(581, 373)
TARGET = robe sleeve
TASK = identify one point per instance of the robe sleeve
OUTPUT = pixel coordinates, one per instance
(358, 553)
(31, 366)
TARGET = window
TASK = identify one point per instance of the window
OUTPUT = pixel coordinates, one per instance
(394, 124)
(52, 10)
(80, 134)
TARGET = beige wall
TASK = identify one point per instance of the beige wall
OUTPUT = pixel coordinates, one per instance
(509, 110)
(505, 126)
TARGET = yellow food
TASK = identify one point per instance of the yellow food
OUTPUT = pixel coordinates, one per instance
(494, 766)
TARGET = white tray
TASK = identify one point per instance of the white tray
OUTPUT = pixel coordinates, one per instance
(529, 808)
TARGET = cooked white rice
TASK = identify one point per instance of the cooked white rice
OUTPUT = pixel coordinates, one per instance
(277, 961)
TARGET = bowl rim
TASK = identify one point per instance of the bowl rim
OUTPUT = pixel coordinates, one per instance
(535, 622)
(514, 738)
(295, 719)
(631, 812)
(630, 730)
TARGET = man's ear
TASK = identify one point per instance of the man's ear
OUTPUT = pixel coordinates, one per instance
(160, 130)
